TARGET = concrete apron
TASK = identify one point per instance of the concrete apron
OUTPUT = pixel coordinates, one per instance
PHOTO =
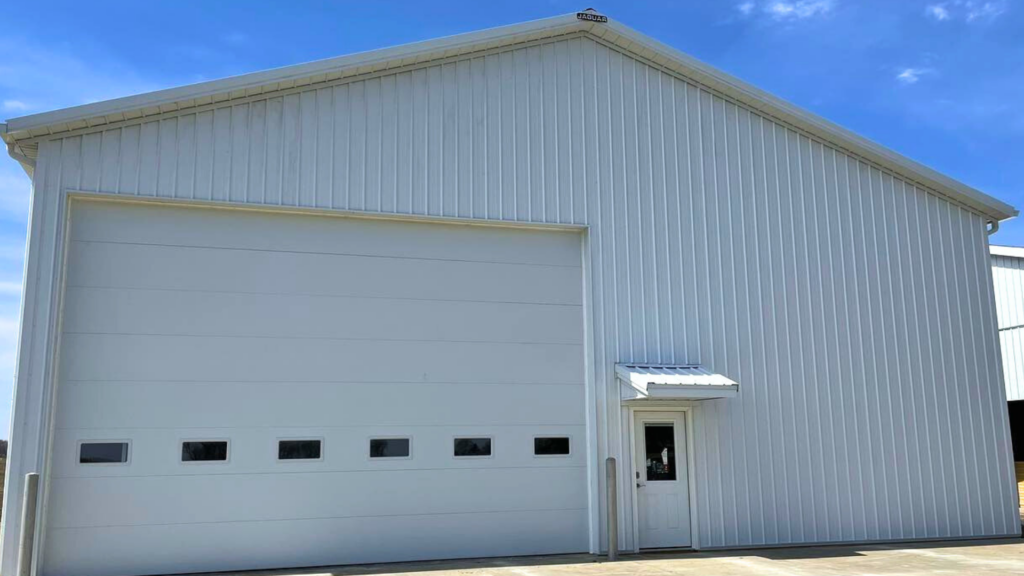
(969, 557)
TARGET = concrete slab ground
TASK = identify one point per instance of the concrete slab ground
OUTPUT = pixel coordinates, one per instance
(975, 557)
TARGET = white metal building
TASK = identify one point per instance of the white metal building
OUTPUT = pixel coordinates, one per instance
(1008, 279)
(403, 304)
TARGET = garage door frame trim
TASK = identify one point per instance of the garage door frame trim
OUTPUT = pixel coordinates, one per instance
(54, 328)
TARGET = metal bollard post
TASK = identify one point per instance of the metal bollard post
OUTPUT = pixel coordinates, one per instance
(28, 524)
(613, 510)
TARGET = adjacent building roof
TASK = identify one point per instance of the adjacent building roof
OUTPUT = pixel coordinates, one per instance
(22, 134)
(674, 382)
(1011, 251)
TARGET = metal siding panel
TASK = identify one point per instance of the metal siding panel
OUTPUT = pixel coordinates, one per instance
(222, 151)
(838, 296)
(149, 159)
(256, 190)
(167, 158)
(184, 178)
(203, 189)
(372, 145)
(109, 161)
(241, 120)
(92, 150)
(1008, 285)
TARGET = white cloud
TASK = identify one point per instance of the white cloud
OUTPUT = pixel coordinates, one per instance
(15, 106)
(799, 9)
(967, 10)
(912, 75)
(786, 10)
(984, 10)
(45, 77)
(937, 11)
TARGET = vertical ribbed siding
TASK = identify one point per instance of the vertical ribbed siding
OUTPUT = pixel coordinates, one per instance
(853, 307)
(1008, 279)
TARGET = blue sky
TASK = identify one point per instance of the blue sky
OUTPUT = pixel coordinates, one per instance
(939, 81)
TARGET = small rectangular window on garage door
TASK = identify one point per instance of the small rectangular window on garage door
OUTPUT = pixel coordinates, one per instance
(103, 453)
(299, 449)
(472, 447)
(204, 451)
(390, 447)
(551, 446)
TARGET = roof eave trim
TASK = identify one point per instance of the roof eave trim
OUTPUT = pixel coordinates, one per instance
(292, 72)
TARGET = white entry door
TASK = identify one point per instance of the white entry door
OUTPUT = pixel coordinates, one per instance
(663, 490)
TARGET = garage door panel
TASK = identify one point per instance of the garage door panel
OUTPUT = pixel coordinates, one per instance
(243, 271)
(117, 357)
(107, 222)
(127, 311)
(252, 327)
(227, 546)
(202, 498)
(247, 404)
(155, 452)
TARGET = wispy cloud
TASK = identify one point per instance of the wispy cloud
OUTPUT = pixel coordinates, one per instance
(15, 189)
(787, 10)
(985, 10)
(912, 75)
(966, 10)
(799, 9)
(36, 77)
(937, 11)
(15, 106)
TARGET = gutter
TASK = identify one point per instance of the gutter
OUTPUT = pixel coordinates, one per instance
(28, 164)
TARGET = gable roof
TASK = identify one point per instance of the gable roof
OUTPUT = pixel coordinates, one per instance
(22, 134)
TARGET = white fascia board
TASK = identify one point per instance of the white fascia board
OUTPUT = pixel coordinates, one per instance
(674, 392)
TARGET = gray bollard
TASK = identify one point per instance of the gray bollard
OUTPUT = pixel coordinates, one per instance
(613, 510)
(28, 524)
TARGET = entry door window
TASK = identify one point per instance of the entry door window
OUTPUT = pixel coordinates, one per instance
(660, 443)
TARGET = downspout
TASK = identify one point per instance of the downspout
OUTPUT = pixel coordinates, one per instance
(994, 228)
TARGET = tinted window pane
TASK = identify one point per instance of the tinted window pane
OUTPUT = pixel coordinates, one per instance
(103, 452)
(210, 451)
(554, 446)
(298, 450)
(389, 448)
(472, 446)
(660, 446)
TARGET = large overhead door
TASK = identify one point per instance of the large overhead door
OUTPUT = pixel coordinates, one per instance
(251, 389)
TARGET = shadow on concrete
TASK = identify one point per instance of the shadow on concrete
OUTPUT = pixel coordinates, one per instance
(823, 551)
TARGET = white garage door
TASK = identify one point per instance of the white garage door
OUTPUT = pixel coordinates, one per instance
(238, 330)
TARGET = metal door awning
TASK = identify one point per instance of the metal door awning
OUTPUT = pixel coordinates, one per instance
(673, 382)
